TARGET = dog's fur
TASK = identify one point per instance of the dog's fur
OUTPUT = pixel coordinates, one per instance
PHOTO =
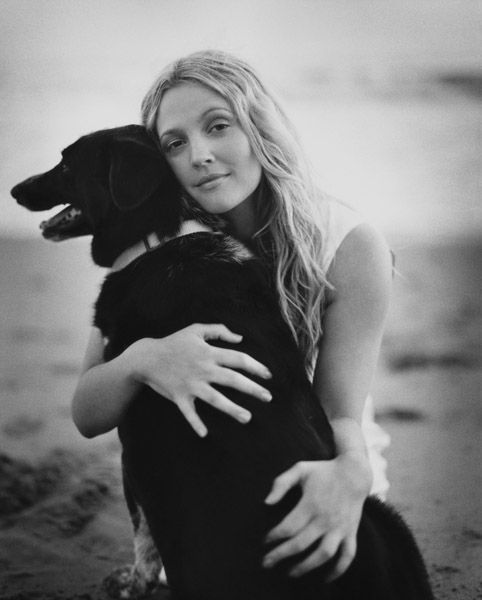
(203, 498)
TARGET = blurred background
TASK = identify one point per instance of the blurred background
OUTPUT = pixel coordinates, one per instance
(386, 96)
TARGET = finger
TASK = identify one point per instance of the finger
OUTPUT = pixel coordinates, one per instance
(239, 360)
(323, 553)
(291, 525)
(241, 383)
(347, 554)
(283, 483)
(217, 332)
(217, 400)
(187, 409)
(293, 546)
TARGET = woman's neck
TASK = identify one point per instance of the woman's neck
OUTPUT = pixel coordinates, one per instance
(243, 220)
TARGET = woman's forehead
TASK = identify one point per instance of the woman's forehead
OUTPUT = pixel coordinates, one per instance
(185, 102)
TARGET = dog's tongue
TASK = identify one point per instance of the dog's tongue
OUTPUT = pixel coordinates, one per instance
(60, 226)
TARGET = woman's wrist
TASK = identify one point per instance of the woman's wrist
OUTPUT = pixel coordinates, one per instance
(133, 361)
(358, 471)
(351, 453)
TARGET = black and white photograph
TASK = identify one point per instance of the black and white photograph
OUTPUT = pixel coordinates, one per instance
(240, 283)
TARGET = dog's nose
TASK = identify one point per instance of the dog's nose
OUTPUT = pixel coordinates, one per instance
(22, 192)
(16, 192)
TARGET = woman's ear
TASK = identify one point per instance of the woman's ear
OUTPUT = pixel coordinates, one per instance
(137, 168)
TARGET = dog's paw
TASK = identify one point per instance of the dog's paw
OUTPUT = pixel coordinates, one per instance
(127, 583)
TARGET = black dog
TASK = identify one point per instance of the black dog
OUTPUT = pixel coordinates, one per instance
(203, 497)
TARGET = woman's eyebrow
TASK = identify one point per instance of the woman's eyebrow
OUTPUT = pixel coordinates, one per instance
(200, 118)
(212, 109)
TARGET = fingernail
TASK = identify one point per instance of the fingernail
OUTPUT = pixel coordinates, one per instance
(267, 397)
(267, 374)
(267, 563)
(245, 417)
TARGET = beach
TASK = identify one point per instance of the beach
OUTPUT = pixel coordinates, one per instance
(63, 522)
(386, 98)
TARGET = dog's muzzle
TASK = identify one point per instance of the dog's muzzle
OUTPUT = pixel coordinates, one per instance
(69, 222)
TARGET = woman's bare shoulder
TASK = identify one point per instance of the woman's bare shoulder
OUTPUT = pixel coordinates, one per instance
(362, 265)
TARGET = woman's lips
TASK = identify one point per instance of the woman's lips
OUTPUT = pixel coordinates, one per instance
(211, 183)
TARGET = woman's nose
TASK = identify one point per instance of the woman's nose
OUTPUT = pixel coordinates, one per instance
(200, 153)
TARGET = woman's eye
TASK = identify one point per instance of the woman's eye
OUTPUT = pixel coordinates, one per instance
(220, 126)
(174, 145)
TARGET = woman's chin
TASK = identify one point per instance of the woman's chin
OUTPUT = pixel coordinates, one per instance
(218, 204)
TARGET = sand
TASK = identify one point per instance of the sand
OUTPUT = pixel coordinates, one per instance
(63, 523)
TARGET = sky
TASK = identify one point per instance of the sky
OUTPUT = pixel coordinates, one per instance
(71, 66)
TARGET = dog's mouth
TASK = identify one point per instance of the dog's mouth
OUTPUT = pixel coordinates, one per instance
(68, 223)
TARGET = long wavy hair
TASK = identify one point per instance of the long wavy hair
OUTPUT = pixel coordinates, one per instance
(288, 203)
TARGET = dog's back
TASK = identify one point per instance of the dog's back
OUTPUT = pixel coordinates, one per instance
(198, 493)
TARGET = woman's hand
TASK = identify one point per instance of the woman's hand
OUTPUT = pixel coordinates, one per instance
(183, 367)
(333, 493)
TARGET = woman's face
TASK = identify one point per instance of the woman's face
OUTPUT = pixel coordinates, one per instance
(206, 148)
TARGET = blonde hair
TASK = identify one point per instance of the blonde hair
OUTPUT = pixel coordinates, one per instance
(288, 204)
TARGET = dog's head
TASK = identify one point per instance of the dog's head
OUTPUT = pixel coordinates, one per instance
(117, 187)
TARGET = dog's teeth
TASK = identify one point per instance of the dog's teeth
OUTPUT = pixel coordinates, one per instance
(63, 219)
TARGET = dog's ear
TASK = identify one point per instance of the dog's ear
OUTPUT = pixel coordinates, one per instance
(137, 169)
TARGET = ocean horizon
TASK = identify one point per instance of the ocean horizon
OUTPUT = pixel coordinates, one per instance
(406, 154)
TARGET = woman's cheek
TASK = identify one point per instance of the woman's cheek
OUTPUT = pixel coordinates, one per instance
(179, 171)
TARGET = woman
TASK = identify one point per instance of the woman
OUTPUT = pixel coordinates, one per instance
(235, 155)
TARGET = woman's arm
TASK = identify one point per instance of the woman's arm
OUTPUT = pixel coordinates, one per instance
(334, 491)
(354, 319)
(353, 326)
(181, 367)
(104, 390)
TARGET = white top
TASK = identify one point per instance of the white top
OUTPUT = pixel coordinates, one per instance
(338, 220)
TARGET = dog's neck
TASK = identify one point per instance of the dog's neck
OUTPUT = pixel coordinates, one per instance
(152, 240)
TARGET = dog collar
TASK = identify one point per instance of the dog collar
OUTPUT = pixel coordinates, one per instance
(151, 241)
